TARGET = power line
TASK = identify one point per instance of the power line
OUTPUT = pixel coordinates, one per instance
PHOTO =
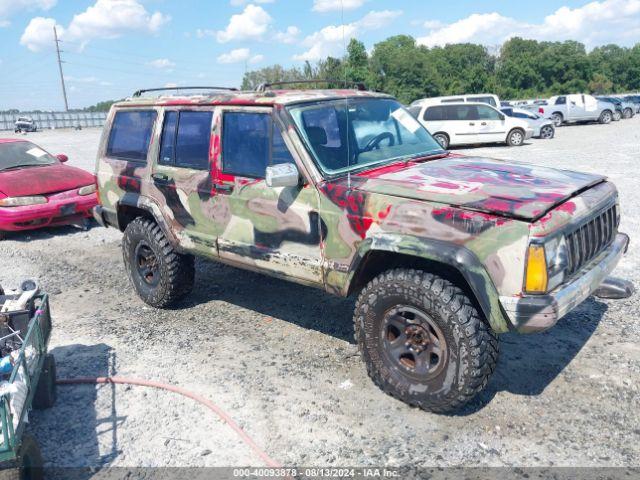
(64, 89)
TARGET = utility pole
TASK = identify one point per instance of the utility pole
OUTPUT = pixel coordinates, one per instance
(64, 89)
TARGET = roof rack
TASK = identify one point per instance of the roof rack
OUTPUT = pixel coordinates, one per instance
(139, 93)
(264, 86)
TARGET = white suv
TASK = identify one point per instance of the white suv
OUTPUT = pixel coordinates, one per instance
(471, 123)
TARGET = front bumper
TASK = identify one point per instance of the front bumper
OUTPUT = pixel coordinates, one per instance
(528, 133)
(535, 313)
(61, 209)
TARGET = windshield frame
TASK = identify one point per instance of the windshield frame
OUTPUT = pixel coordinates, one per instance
(30, 145)
(327, 175)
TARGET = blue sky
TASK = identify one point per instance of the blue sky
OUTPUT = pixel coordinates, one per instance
(113, 47)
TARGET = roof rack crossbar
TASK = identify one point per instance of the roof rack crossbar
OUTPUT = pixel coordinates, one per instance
(264, 86)
(139, 93)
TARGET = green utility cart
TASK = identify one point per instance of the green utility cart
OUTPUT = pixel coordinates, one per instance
(31, 383)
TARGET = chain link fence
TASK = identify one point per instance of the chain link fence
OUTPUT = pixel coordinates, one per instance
(46, 120)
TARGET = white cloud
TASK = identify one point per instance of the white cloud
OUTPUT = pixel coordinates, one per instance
(10, 7)
(598, 22)
(336, 5)
(331, 40)
(104, 19)
(290, 35)
(251, 24)
(240, 55)
(161, 63)
(239, 3)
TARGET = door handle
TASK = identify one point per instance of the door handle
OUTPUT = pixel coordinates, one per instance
(224, 187)
(483, 123)
(471, 123)
(160, 177)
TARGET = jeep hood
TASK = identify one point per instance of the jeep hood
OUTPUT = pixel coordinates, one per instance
(501, 188)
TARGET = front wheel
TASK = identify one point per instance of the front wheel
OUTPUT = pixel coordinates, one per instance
(547, 132)
(617, 116)
(423, 341)
(605, 117)
(628, 113)
(160, 275)
(557, 119)
(515, 138)
(442, 139)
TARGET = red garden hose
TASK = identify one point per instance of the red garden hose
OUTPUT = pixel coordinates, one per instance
(194, 396)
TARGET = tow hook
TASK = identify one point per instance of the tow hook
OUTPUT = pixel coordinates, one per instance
(615, 288)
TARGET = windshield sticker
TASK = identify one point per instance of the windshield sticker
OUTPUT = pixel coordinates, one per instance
(406, 119)
(36, 152)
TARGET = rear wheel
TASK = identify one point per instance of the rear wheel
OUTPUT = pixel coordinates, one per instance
(605, 117)
(515, 138)
(442, 139)
(628, 113)
(422, 340)
(160, 275)
(547, 132)
(617, 115)
(557, 119)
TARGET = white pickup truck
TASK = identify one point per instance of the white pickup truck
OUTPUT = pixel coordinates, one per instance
(577, 108)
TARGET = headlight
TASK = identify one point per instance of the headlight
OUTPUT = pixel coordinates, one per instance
(546, 265)
(88, 190)
(22, 201)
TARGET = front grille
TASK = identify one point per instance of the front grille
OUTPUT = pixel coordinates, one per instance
(588, 240)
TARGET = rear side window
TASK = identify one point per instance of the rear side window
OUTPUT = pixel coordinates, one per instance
(462, 112)
(186, 137)
(435, 113)
(251, 142)
(488, 100)
(130, 135)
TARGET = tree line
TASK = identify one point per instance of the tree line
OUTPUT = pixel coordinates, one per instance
(520, 69)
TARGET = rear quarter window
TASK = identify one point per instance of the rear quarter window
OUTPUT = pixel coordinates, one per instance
(130, 135)
(435, 113)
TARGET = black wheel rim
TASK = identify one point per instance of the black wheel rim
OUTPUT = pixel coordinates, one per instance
(146, 263)
(413, 342)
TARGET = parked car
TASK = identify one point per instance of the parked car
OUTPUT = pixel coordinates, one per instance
(38, 190)
(635, 99)
(627, 109)
(25, 124)
(487, 98)
(577, 108)
(345, 191)
(542, 127)
(617, 104)
(472, 123)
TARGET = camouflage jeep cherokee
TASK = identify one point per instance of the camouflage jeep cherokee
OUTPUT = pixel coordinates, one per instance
(345, 191)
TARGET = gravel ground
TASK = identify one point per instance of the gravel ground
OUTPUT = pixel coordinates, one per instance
(280, 357)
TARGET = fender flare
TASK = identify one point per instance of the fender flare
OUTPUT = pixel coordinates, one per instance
(144, 203)
(458, 257)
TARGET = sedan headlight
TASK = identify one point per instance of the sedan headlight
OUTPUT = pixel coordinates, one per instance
(22, 201)
(88, 190)
(546, 265)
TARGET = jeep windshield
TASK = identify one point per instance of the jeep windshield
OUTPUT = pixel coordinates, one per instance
(23, 154)
(355, 134)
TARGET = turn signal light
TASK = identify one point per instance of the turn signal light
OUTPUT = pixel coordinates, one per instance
(536, 278)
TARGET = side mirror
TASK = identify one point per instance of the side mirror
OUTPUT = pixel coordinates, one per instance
(282, 175)
(62, 157)
(502, 116)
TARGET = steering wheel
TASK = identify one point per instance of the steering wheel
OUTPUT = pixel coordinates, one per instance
(375, 141)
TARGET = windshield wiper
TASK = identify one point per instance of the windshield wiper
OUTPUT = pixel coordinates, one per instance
(13, 167)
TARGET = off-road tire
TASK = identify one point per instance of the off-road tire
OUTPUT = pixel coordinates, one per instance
(472, 347)
(605, 117)
(45, 396)
(442, 139)
(557, 119)
(28, 465)
(176, 271)
(515, 138)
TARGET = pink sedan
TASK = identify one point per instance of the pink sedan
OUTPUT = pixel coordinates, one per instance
(38, 190)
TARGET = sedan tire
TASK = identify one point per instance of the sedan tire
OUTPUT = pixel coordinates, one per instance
(547, 132)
